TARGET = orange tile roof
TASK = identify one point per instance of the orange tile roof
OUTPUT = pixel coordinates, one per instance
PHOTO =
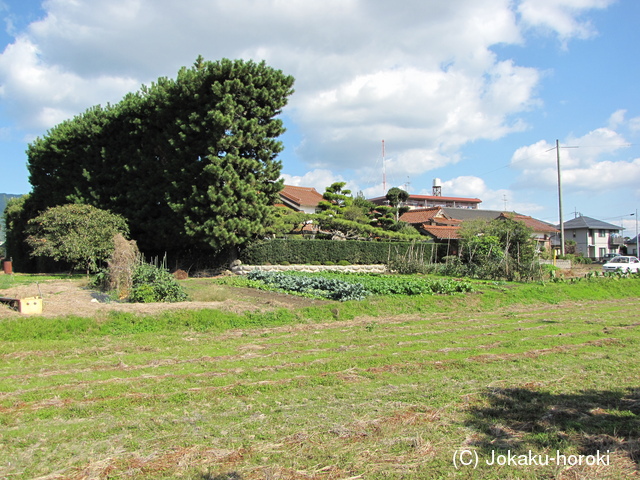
(442, 233)
(433, 197)
(307, 196)
(437, 197)
(446, 222)
(421, 215)
(535, 225)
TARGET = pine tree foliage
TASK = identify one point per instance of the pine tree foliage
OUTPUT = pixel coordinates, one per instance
(190, 162)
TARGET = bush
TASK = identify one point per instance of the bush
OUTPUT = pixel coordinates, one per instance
(81, 235)
(155, 284)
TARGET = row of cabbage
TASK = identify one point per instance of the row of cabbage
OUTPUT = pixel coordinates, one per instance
(343, 286)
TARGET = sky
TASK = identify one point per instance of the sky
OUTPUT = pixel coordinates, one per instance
(472, 93)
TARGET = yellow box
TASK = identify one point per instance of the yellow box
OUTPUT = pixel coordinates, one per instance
(30, 305)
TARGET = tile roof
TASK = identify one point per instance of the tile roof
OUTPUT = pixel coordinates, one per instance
(536, 225)
(421, 215)
(433, 197)
(471, 213)
(438, 197)
(307, 196)
(442, 233)
(588, 222)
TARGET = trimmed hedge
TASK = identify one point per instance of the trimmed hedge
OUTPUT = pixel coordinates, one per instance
(285, 251)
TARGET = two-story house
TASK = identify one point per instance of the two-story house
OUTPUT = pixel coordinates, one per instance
(594, 238)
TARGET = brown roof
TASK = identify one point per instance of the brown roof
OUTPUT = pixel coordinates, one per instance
(446, 222)
(421, 215)
(442, 233)
(433, 197)
(437, 197)
(536, 225)
(307, 196)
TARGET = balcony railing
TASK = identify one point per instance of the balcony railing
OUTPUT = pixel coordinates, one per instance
(615, 240)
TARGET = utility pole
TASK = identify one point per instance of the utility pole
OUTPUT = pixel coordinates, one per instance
(384, 173)
(636, 242)
(562, 252)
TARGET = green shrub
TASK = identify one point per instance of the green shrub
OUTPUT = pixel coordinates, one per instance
(155, 284)
(344, 263)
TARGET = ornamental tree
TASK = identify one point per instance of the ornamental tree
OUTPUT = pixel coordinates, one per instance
(190, 162)
(500, 248)
(81, 235)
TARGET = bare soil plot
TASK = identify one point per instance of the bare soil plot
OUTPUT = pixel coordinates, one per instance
(73, 297)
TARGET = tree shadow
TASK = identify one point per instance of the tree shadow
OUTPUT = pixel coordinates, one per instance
(221, 476)
(519, 419)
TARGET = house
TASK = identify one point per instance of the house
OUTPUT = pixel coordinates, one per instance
(632, 246)
(594, 238)
(427, 201)
(300, 199)
(442, 224)
(434, 200)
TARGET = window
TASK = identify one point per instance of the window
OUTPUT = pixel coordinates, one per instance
(602, 233)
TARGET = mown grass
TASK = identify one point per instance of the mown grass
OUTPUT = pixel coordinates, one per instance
(386, 388)
(18, 279)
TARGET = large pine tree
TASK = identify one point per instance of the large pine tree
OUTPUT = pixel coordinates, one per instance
(190, 162)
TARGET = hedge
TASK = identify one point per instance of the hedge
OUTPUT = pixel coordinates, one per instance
(286, 251)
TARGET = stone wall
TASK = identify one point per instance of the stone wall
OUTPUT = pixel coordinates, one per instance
(562, 264)
(244, 269)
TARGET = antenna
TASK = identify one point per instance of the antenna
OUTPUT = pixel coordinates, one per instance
(384, 172)
(505, 202)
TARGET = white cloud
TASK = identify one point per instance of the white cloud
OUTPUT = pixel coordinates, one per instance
(634, 124)
(318, 179)
(423, 75)
(561, 16)
(41, 95)
(475, 187)
(585, 161)
(616, 119)
(605, 175)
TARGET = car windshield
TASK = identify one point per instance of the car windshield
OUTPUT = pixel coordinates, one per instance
(620, 260)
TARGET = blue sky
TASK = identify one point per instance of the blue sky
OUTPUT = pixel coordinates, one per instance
(473, 93)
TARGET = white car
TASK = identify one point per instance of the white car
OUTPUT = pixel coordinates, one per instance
(622, 263)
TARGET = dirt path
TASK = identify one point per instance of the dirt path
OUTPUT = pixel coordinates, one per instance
(73, 297)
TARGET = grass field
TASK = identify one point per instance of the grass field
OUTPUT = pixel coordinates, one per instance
(385, 388)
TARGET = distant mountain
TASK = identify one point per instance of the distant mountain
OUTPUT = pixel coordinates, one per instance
(4, 198)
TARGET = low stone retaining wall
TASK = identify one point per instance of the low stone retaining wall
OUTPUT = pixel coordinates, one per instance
(244, 269)
(563, 264)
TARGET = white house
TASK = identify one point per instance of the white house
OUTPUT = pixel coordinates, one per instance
(594, 238)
